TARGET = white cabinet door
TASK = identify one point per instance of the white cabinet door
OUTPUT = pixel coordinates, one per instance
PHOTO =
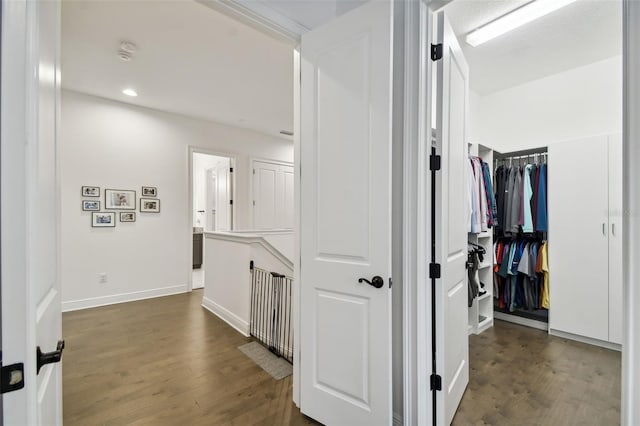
(615, 239)
(285, 198)
(452, 344)
(578, 204)
(31, 307)
(265, 182)
(346, 114)
(273, 194)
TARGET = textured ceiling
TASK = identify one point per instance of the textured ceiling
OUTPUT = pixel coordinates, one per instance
(581, 33)
(191, 60)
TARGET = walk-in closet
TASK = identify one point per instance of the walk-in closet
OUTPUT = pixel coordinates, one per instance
(543, 189)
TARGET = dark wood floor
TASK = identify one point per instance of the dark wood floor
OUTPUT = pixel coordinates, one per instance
(522, 376)
(165, 361)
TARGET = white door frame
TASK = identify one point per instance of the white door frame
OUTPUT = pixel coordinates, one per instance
(631, 210)
(233, 161)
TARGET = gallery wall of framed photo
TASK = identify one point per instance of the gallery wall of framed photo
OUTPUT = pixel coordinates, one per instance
(108, 206)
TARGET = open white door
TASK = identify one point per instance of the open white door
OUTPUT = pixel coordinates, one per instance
(211, 199)
(345, 161)
(31, 307)
(224, 209)
(452, 341)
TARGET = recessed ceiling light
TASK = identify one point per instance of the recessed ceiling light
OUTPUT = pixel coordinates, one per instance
(130, 92)
(517, 18)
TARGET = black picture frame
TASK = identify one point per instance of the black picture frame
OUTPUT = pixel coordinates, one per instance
(149, 191)
(145, 205)
(87, 208)
(90, 191)
(127, 217)
(119, 199)
(98, 220)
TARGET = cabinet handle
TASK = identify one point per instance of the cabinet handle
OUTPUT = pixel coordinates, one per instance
(604, 228)
(613, 229)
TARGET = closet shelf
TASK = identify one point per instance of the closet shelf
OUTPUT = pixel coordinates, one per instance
(484, 323)
(485, 234)
(484, 296)
(485, 265)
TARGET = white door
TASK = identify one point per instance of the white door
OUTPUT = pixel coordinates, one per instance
(224, 193)
(273, 195)
(452, 342)
(285, 198)
(345, 159)
(31, 309)
(615, 239)
(265, 182)
(211, 199)
(578, 237)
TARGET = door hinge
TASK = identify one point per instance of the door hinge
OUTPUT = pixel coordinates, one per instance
(231, 202)
(254, 202)
(436, 382)
(434, 270)
(254, 171)
(12, 378)
(390, 282)
(230, 169)
(436, 52)
(435, 162)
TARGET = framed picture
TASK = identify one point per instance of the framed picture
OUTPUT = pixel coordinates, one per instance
(90, 191)
(149, 205)
(149, 191)
(119, 199)
(90, 205)
(103, 219)
(127, 216)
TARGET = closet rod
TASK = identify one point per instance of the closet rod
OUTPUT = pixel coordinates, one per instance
(523, 153)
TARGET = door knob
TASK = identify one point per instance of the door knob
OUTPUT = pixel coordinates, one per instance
(43, 358)
(376, 281)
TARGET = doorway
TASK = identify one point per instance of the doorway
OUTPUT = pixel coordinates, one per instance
(515, 127)
(212, 194)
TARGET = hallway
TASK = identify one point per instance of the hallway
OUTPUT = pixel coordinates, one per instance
(166, 361)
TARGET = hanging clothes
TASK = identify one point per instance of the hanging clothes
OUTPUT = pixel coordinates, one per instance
(492, 214)
(481, 196)
(521, 199)
(541, 213)
(521, 274)
(474, 201)
(527, 224)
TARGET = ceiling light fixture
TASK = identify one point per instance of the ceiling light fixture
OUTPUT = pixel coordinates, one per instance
(130, 92)
(517, 18)
(286, 132)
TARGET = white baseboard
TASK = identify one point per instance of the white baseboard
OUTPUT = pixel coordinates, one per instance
(227, 316)
(521, 321)
(397, 419)
(94, 302)
(588, 340)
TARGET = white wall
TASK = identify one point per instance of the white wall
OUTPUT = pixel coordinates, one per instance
(116, 145)
(578, 103)
(227, 289)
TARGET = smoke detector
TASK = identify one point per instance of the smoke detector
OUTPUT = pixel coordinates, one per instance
(128, 46)
(126, 51)
(124, 56)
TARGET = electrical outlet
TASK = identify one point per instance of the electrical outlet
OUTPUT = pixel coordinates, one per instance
(102, 278)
